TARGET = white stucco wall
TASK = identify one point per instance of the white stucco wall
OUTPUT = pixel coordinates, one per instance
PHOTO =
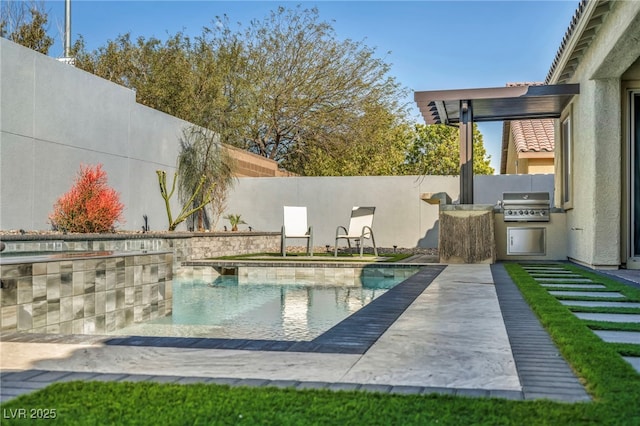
(54, 117)
(401, 217)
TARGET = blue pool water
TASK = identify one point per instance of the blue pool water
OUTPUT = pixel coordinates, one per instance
(224, 308)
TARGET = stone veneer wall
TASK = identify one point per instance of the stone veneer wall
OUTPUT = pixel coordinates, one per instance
(91, 295)
(185, 246)
(224, 244)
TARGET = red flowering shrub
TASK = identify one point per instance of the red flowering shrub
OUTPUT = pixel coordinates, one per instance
(90, 205)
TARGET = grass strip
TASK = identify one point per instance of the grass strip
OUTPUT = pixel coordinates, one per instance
(631, 293)
(608, 377)
(86, 403)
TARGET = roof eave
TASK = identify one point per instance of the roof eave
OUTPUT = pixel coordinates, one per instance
(585, 23)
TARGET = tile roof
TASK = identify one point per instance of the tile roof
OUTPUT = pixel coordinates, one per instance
(533, 135)
(586, 21)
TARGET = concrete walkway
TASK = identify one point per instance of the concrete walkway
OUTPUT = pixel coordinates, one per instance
(466, 331)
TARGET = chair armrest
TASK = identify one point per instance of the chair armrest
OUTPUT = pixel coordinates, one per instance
(338, 231)
(366, 234)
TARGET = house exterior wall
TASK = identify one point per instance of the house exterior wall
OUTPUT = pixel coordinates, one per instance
(539, 165)
(528, 163)
(248, 164)
(595, 213)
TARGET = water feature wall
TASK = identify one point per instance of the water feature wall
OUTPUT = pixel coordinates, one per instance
(84, 293)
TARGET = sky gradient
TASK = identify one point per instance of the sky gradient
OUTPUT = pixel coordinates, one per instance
(432, 45)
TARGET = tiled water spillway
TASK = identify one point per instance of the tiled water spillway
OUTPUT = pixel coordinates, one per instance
(84, 293)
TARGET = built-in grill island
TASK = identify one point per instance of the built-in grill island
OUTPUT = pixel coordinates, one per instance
(526, 207)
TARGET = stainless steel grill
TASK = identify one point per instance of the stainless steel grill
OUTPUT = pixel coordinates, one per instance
(526, 206)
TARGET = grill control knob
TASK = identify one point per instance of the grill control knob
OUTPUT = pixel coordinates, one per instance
(520, 212)
(509, 212)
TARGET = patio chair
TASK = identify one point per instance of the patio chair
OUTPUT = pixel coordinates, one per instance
(295, 226)
(359, 228)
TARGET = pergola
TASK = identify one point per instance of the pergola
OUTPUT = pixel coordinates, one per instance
(463, 107)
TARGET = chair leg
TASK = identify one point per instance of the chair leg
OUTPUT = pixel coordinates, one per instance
(335, 252)
(283, 249)
(310, 246)
(373, 241)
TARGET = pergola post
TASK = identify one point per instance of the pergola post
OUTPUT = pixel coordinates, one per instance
(466, 152)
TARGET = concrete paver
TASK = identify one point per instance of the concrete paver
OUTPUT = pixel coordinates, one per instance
(616, 336)
(634, 361)
(625, 318)
(599, 303)
(602, 294)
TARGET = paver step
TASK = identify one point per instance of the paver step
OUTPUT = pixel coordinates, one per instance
(603, 294)
(616, 336)
(568, 280)
(600, 304)
(586, 286)
(634, 361)
(625, 318)
(555, 274)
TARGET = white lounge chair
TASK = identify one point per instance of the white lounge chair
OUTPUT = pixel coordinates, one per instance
(359, 229)
(295, 226)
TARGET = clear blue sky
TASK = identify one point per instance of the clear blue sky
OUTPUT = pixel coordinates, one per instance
(432, 45)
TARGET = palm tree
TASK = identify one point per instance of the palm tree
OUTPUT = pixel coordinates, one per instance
(202, 155)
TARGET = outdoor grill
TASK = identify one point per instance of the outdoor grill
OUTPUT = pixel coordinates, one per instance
(526, 206)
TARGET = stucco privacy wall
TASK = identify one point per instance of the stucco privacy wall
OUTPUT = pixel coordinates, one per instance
(594, 222)
(54, 117)
(401, 217)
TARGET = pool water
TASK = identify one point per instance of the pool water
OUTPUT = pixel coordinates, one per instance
(222, 307)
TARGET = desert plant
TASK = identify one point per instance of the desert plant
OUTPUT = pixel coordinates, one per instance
(90, 206)
(202, 155)
(235, 220)
(186, 211)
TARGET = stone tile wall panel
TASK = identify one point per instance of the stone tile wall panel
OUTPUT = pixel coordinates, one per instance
(84, 295)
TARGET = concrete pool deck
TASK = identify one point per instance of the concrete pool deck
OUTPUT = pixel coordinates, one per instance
(469, 332)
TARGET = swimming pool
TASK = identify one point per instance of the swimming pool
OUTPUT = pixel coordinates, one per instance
(267, 305)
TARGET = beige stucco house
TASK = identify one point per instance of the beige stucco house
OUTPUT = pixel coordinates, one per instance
(527, 147)
(592, 97)
(597, 146)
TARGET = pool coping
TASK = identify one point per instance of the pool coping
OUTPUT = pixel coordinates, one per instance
(261, 263)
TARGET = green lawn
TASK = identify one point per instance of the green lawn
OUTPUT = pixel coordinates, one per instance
(613, 383)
